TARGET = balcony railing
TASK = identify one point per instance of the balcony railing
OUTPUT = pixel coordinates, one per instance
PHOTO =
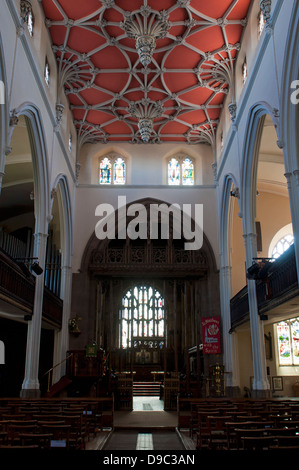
(15, 287)
(280, 285)
(18, 289)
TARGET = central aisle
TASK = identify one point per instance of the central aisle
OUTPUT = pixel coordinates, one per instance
(147, 427)
(133, 440)
(147, 412)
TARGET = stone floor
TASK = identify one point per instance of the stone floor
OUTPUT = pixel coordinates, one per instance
(148, 404)
(147, 425)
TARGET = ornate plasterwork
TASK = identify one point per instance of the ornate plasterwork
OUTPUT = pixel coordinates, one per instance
(142, 45)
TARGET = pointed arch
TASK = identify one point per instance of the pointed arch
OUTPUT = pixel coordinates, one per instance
(4, 112)
(38, 146)
(288, 103)
(62, 191)
(229, 182)
(95, 243)
(255, 125)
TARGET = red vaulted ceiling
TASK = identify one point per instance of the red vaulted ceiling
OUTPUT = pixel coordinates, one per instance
(186, 80)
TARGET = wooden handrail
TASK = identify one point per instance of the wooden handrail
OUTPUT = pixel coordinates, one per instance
(52, 368)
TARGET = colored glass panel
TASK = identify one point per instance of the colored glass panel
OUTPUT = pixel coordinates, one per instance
(295, 341)
(105, 171)
(119, 171)
(284, 343)
(143, 319)
(173, 172)
(187, 172)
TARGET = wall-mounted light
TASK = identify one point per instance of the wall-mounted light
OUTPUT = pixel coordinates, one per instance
(26, 263)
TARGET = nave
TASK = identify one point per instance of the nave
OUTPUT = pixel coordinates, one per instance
(145, 439)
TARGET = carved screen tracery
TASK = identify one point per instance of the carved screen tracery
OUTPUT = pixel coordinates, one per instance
(141, 323)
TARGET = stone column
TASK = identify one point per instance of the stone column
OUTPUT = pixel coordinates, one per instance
(293, 189)
(62, 337)
(175, 337)
(230, 358)
(30, 386)
(261, 386)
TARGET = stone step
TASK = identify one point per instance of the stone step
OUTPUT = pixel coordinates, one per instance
(146, 389)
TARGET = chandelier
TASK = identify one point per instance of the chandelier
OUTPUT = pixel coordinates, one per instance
(146, 111)
(145, 27)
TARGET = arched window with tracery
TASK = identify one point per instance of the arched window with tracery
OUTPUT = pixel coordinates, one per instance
(181, 171)
(141, 322)
(282, 245)
(281, 241)
(105, 171)
(187, 172)
(112, 170)
(119, 171)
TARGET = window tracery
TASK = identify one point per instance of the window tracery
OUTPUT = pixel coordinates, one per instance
(47, 73)
(27, 15)
(112, 170)
(142, 318)
(282, 245)
(180, 171)
(261, 23)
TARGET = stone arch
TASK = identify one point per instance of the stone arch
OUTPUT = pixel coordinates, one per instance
(229, 182)
(255, 124)
(62, 192)
(4, 113)
(95, 243)
(40, 164)
(289, 107)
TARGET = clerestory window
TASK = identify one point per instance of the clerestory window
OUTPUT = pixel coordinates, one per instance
(181, 171)
(112, 170)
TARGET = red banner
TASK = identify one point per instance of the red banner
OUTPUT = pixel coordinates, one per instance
(211, 335)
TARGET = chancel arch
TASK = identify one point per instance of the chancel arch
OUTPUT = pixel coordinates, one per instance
(181, 285)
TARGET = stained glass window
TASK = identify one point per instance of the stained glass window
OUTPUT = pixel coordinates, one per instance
(30, 23)
(284, 343)
(105, 171)
(187, 172)
(27, 15)
(244, 71)
(47, 73)
(282, 245)
(112, 170)
(119, 171)
(180, 171)
(261, 23)
(288, 342)
(142, 318)
(174, 172)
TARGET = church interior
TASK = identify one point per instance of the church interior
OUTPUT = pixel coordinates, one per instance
(149, 222)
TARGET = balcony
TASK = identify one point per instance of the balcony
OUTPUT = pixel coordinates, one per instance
(278, 294)
(17, 292)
